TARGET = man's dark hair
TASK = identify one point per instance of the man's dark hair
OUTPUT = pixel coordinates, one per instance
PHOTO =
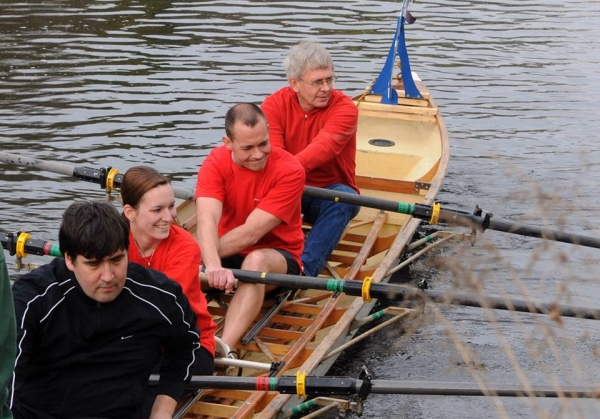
(248, 113)
(92, 229)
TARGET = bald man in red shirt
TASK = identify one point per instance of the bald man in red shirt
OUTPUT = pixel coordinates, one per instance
(248, 207)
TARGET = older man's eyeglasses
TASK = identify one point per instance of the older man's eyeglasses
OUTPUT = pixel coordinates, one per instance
(321, 83)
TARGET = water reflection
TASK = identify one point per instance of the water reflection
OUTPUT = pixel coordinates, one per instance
(135, 72)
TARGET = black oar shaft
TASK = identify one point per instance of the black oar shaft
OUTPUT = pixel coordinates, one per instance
(403, 292)
(452, 217)
(513, 304)
(100, 176)
(544, 233)
(432, 388)
(349, 198)
(285, 385)
(420, 211)
(321, 386)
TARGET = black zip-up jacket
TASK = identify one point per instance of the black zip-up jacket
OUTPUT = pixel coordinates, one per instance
(80, 358)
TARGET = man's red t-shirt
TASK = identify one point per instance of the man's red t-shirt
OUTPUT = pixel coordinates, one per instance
(277, 189)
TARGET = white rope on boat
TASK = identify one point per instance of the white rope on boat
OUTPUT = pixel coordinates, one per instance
(405, 312)
(240, 363)
(448, 236)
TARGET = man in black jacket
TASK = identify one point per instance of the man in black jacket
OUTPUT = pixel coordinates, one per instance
(91, 326)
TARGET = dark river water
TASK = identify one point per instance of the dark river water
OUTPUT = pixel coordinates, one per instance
(120, 83)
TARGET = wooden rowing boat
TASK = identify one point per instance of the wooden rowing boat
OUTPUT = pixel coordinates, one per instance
(402, 155)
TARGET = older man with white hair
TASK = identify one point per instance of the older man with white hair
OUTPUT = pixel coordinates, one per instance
(317, 124)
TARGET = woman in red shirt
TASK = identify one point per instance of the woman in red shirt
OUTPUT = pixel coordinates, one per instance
(156, 242)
